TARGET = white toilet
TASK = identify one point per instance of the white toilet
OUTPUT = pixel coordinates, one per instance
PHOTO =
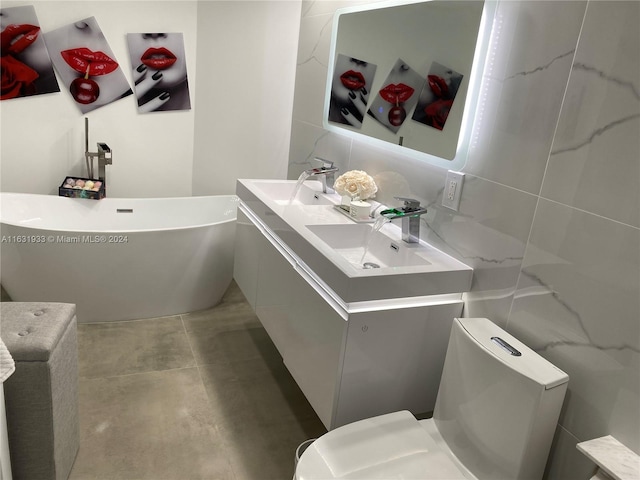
(494, 419)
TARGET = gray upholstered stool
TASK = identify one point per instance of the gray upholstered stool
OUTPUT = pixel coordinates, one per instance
(42, 395)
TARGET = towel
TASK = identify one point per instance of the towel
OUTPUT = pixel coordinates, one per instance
(7, 365)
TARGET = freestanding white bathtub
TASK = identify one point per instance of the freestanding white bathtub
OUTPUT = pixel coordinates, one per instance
(116, 258)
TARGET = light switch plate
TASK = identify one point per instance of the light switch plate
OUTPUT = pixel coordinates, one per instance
(453, 190)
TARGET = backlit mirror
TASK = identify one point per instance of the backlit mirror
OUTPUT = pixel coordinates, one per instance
(405, 75)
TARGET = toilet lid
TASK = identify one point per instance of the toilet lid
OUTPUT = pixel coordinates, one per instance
(392, 446)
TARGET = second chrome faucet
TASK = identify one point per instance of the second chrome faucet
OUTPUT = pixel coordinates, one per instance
(410, 214)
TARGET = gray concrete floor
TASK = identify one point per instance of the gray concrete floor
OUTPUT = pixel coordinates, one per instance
(203, 395)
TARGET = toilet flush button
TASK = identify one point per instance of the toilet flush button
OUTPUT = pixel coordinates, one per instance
(505, 346)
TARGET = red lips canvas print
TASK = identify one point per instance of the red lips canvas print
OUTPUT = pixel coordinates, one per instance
(159, 71)
(86, 64)
(25, 62)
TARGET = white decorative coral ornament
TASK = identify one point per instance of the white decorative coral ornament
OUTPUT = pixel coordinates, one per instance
(356, 184)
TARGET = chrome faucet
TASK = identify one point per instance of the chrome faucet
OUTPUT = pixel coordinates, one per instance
(410, 214)
(326, 174)
(104, 155)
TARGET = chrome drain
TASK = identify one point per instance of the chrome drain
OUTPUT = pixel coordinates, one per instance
(368, 265)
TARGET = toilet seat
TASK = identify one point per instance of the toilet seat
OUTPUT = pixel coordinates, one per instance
(392, 446)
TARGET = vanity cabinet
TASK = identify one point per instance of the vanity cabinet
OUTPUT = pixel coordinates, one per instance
(353, 362)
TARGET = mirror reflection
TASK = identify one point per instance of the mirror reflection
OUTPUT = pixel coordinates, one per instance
(402, 73)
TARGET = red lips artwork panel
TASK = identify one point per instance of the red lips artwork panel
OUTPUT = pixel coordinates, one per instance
(86, 64)
(350, 89)
(397, 97)
(25, 62)
(436, 99)
(159, 71)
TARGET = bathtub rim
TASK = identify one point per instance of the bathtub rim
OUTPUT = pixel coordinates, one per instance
(232, 197)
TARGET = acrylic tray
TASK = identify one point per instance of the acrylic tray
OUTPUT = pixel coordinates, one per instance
(81, 193)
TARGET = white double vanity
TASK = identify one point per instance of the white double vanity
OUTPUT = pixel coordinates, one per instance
(358, 341)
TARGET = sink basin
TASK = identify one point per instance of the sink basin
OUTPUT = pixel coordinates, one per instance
(365, 248)
(372, 264)
(309, 193)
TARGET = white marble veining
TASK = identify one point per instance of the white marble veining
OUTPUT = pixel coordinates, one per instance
(531, 53)
(323, 7)
(489, 232)
(613, 457)
(595, 160)
(312, 141)
(311, 72)
(577, 305)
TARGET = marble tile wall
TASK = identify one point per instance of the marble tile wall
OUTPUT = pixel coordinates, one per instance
(550, 210)
(577, 300)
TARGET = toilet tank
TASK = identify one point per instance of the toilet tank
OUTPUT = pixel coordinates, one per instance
(498, 402)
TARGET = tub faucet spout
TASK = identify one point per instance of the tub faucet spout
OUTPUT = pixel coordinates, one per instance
(103, 160)
(410, 214)
(325, 173)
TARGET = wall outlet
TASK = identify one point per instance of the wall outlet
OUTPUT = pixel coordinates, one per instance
(453, 190)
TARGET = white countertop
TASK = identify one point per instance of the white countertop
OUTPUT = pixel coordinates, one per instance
(435, 273)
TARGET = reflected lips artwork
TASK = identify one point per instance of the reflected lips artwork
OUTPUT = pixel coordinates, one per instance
(397, 94)
(397, 97)
(352, 80)
(437, 96)
(438, 86)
